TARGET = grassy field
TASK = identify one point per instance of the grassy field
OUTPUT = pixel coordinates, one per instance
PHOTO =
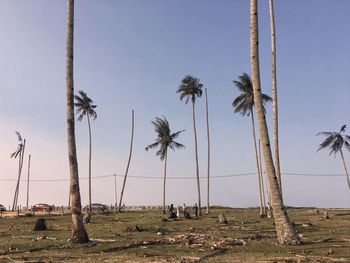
(142, 236)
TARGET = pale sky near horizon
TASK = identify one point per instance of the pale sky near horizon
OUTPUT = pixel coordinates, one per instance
(133, 55)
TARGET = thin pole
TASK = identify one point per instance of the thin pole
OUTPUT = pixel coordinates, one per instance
(115, 192)
(28, 180)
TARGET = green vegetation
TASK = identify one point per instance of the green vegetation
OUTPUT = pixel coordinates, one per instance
(142, 236)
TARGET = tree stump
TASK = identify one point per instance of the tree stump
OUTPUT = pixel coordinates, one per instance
(222, 218)
(187, 215)
(87, 218)
(40, 225)
(325, 215)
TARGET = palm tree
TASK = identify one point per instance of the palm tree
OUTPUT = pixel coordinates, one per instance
(165, 140)
(79, 234)
(191, 88)
(20, 154)
(335, 142)
(208, 142)
(244, 104)
(274, 97)
(85, 107)
(286, 233)
(129, 159)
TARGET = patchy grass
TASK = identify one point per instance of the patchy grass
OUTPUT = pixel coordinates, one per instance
(115, 238)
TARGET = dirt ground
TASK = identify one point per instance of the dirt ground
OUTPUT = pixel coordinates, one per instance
(144, 236)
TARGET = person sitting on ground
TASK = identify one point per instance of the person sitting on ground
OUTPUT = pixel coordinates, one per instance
(172, 212)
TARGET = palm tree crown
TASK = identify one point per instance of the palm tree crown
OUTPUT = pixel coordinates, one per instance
(84, 106)
(190, 87)
(244, 103)
(19, 148)
(164, 138)
(335, 141)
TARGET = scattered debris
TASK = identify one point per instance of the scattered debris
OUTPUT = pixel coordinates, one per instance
(135, 228)
(222, 219)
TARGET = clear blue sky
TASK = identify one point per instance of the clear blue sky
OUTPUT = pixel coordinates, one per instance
(133, 55)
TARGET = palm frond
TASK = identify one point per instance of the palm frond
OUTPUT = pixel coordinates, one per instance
(326, 143)
(342, 129)
(18, 136)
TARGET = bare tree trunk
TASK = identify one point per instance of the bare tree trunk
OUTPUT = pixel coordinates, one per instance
(28, 180)
(208, 142)
(346, 170)
(262, 180)
(274, 98)
(20, 166)
(129, 159)
(79, 234)
(286, 233)
(261, 209)
(196, 154)
(165, 164)
(89, 125)
(115, 193)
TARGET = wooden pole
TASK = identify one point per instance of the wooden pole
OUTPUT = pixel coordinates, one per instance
(28, 180)
(115, 192)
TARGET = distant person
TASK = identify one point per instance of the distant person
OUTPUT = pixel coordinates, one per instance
(171, 209)
(172, 212)
(196, 209)
(178, 211)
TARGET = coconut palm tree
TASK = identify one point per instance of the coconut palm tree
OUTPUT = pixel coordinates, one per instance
(189, 89)
(85, 107)
(129, 160)
(335, 142)
(244, 104)
(208, 143)
(276, 156)
(286, 233)
(79, 234)
(165, 140)
(20, 154)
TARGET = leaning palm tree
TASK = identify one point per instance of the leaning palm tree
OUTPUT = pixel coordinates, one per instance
(191, 88)
(20, 154)
(335, 142)
(286, 233)
(79, 234)
(85, 107)
(129, 160)
(165, 140)
(244, 104)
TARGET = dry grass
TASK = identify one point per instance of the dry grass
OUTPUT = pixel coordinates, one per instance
(246, 238)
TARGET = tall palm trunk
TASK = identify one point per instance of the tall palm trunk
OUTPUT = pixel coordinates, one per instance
(346, 170)
(28, 181)
(274, 97)
(261, 210)
(79, 234)
(286, 233)
(88, 119)
(262, 180)
(20, 166)
(129, 159)
(165, 164)
(208, 142)
(196, 153)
